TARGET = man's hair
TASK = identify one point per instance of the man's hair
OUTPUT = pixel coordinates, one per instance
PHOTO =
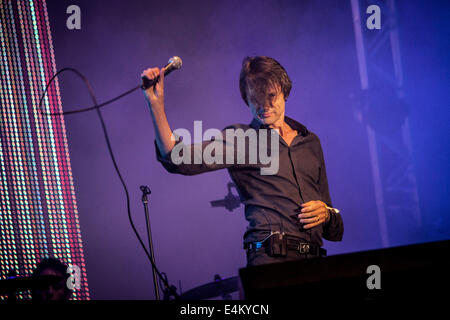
(259, 74)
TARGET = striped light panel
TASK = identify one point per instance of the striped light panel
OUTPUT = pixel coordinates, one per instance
(38, 211)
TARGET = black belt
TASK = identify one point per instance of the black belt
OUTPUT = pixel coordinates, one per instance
(293, 244)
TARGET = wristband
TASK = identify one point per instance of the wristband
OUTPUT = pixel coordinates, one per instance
(333, 210)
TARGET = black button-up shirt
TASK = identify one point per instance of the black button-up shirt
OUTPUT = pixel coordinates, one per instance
(272, 201)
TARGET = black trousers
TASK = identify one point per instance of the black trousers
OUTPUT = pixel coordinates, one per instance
(259, 257)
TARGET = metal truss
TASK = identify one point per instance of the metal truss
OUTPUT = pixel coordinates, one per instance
(385, 116)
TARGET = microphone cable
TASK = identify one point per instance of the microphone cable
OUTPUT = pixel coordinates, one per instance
(97, 107)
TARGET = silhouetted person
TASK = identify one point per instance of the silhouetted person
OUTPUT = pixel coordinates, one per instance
(58, 290)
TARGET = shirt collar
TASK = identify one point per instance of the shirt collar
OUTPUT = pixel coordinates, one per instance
(255, 124)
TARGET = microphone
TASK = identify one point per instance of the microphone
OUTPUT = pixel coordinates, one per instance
(145, 190)
(173, 64)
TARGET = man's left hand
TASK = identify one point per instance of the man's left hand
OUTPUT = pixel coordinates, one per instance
(313, 213)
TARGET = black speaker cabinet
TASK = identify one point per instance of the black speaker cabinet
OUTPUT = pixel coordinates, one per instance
(419, 271)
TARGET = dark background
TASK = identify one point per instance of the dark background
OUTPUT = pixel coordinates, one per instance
(314, 41)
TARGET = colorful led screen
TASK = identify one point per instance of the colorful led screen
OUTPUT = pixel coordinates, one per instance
(38, 210)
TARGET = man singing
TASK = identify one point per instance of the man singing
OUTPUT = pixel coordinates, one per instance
(289, 210)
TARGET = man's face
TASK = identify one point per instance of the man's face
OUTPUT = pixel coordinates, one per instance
(270, 111)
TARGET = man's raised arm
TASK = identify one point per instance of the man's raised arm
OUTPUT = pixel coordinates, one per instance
(165, 141)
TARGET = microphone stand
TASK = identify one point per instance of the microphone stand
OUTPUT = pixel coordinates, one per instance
(145, 191)
(170, 291)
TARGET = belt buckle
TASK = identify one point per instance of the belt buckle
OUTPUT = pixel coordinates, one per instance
(303, 247)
